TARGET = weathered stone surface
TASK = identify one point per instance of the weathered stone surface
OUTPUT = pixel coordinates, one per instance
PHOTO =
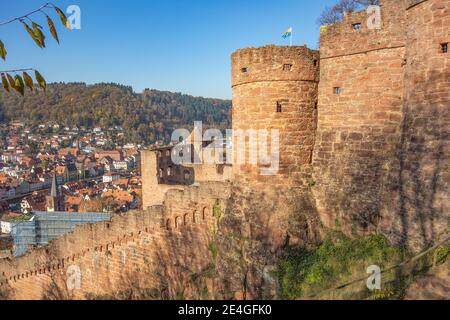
(163, 252)
(381, 153)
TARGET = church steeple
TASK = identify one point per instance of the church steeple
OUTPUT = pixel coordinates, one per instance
(54, 191)
(55, 201)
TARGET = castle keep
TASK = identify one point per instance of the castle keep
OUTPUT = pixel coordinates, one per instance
(364, 146)
(276, 88)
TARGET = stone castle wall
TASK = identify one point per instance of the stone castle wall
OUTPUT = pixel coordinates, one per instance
(388, 124)
(163, 252)
(359, 128)
(154, 189)
(422, 199)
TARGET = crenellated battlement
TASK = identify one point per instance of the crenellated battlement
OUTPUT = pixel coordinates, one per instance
(108, 254)
(274, 63)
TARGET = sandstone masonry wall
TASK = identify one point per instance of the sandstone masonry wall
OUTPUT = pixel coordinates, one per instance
(275, 88)
(149, 254)
(386, 125)
(422, 197)
(358, 128)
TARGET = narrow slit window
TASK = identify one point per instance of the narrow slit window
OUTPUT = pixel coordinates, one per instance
(279, 107)
(444, 47)
(315, 63)
(357, 26)
(337, 90)
(287, 67)
(244, 70)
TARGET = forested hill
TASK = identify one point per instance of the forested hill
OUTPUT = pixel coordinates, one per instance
(146, 117)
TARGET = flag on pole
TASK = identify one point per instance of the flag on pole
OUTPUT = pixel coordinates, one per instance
(288, 33)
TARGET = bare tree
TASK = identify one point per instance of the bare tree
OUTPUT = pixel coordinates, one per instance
(337, 12)
(368, 2)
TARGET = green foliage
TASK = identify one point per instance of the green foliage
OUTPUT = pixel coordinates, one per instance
(217, 211)
(205, 292)
(146, 118)
(3, 51)
(335, 261)
(209, 271)
(40, 79)
(28, 81)
(52, 28)
(37, 35)
(18, 82)
(180, 295)
(63, 17)
(442, 254)
(213, 248)
(33, 148)
(384, 294)
(22, 218)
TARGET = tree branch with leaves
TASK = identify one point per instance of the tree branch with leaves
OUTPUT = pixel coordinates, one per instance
(19, 79)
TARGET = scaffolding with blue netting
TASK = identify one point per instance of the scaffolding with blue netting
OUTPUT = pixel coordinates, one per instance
(46, 226)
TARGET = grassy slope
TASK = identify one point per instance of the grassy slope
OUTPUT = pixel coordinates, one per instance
(339, 260)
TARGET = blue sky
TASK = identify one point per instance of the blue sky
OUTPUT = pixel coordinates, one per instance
(179, 45)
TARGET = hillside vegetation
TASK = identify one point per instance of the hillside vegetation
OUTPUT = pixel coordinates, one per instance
(340, 263)
(147, 117)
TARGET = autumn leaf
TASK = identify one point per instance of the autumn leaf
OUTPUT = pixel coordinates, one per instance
(3, 51)
(52, 28)
(5, 82)
(40, 80)
(12, 83)
(63, 18)
(39, 34)
(32, 34)
(28, 80)
(19, 84)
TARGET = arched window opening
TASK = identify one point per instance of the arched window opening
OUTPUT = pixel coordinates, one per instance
(185, 218)
(194, 216)
(177, 222)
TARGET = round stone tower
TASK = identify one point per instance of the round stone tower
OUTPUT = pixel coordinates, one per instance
(274, 93)
(275, 88)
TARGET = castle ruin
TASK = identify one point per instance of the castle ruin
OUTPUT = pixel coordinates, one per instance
(364, 147)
